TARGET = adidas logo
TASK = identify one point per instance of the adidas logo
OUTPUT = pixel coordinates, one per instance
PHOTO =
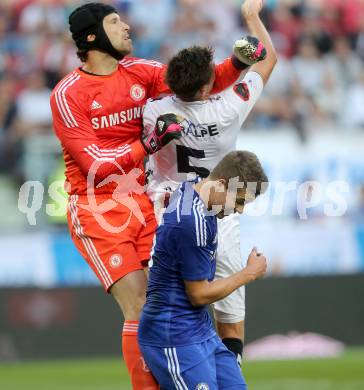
(95, 105)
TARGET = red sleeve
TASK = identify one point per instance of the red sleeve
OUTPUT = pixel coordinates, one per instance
(159, 86)
(73, 127)
(226, 74)
(150, 72)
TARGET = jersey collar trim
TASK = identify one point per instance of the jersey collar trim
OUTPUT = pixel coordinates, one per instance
(194, 103)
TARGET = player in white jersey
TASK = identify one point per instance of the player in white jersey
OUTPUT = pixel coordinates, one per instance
(211, 127)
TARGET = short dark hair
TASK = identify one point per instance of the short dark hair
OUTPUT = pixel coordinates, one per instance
(82, 54)
(246, 166)
(189, 70)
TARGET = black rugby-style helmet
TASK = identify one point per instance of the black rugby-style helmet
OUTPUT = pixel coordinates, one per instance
(87, 19)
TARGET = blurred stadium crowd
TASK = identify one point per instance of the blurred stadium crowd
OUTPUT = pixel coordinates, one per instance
(318, 82)
(308, 125)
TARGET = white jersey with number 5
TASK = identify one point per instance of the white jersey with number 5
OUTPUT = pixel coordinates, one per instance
(210, 132)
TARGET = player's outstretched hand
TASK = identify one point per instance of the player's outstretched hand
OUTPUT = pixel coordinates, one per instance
(249, 50)
(257, 264)
(168, 127)
(251, 7)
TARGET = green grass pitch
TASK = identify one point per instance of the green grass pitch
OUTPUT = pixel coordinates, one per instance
(344, 373)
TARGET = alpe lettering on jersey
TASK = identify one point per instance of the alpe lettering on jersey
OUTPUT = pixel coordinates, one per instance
(200, 130)
(117, 118)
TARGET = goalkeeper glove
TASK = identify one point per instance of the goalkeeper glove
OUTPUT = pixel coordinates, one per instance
(166, 129)
(249, 50)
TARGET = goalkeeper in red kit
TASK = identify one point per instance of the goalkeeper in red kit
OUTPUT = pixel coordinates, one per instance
(97, 115)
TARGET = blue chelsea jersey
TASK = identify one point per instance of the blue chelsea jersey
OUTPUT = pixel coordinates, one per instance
(184, 250)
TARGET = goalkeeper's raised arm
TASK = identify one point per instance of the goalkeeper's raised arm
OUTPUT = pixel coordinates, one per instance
(250, 10)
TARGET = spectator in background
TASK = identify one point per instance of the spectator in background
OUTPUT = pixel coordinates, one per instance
(30, 115)
(285, 27)
(353, 109)
(3, 43)
(38, 22)
(156, 16)
(11, 44)
(274, 105)
(213, 14)
(189, 26)
(152, 21)
(7, 115)
(308, 66)
(42, 16)
(359, 43)
(330, 19)
(352, 12)
(312, 29)
(33, 110)
(329, 101)
(57, 57)
(344, 64)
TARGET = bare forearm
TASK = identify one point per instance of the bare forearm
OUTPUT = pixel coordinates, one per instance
(257, 29)
(203, 292)
(218, 289)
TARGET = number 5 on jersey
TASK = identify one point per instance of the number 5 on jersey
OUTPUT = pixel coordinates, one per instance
(183, 162)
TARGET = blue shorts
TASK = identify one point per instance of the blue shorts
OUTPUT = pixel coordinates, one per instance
(206, 366)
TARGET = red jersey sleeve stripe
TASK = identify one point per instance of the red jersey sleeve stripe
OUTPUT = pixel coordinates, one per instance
(65, 100)
(129, 63)
(94, 153)
(130, 60)
(61, 100)
(106, 157)
(125, 62)
(111, 152)
(143, 63)
(88, 244)
(97, 158)
(108, 151)
(58, 99)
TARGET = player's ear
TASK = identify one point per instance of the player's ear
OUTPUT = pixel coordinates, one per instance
(205, 91)
(91, 37)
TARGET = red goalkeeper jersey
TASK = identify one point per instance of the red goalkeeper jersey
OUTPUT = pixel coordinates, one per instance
(99, 118)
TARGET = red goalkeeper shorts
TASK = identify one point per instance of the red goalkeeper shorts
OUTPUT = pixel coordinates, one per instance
(115, 237)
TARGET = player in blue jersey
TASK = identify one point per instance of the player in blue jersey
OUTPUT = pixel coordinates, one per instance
(176, 334)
